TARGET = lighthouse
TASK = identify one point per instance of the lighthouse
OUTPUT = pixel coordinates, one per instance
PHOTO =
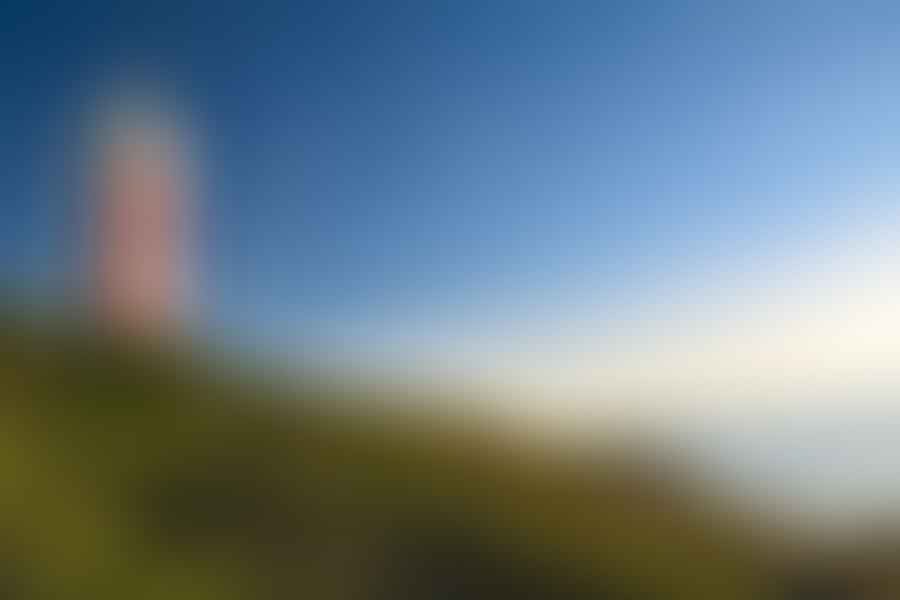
(139, 194)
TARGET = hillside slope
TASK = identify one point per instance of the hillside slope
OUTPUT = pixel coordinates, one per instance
(130, 474)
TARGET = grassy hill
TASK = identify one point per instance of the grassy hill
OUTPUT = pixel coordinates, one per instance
(128, 473)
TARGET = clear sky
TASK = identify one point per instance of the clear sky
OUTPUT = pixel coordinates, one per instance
(603, 205)
(499, 182)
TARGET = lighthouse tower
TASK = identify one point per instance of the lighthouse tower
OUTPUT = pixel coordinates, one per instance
(139, 197)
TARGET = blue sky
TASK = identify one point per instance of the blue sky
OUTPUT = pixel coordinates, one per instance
(676, 209)
(386, 172)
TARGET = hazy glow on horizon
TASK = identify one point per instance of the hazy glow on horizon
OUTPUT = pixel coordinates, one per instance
(816, 323)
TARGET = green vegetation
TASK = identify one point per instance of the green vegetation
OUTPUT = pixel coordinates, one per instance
(130, 474)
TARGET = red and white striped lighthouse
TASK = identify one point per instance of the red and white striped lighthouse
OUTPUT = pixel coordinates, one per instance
(141, 243)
